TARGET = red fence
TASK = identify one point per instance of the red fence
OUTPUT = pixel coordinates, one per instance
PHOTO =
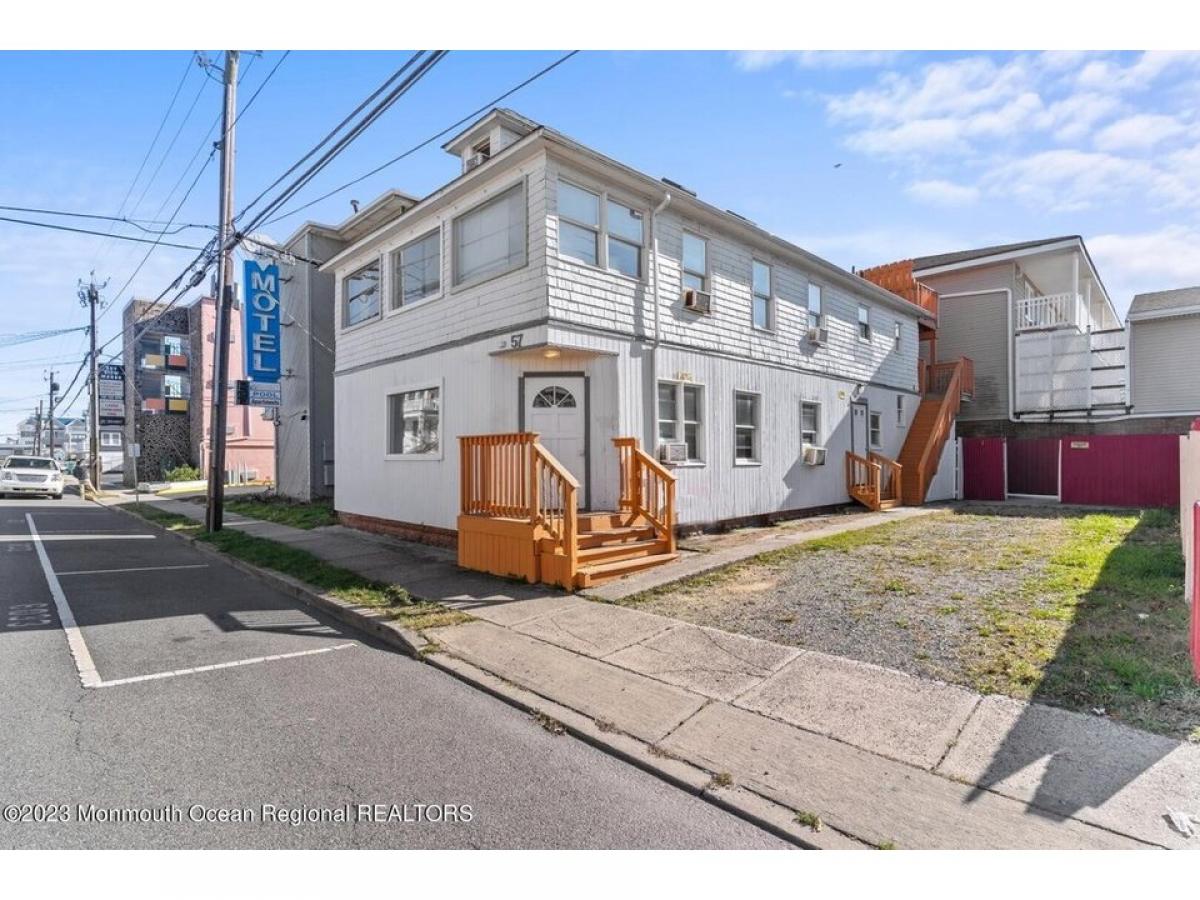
(1121, 470)
(983, 468)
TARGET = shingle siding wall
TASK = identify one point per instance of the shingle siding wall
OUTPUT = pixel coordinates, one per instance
(456, 313)
(1165, 363)
(584, 295)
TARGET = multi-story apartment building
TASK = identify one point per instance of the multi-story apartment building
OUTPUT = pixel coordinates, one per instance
(168, 357)
(680, 365)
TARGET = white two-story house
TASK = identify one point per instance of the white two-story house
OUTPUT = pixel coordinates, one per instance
(656, 344)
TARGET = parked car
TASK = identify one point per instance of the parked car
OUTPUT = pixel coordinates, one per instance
(31, 475)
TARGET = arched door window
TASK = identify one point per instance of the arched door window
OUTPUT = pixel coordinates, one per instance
(554, 397)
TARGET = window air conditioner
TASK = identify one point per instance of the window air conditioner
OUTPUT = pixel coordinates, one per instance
(674, 453)
(697, 301)
(818, 336)
(814, 456)
(475, 160)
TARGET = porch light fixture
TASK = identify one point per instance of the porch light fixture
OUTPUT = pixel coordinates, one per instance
(552, 353)
(858, 391)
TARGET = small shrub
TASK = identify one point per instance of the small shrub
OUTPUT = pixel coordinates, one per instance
(183, 473)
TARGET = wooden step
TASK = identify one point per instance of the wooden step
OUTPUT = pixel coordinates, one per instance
(613, 552)
(608, 536)
(604, 520)
(598, 573)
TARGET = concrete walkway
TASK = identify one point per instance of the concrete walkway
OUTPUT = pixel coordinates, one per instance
(882, 758)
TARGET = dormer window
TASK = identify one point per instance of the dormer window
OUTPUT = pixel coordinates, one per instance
(479, 153)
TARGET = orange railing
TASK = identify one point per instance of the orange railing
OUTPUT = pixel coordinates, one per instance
(890, 476)
(947, 380)
(513, 476)
(934, 378)
(647, 488)
(898, 278)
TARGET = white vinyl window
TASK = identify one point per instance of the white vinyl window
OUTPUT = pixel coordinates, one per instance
(814, 305)
(810, 423)
(681, 416)
(695, 262)
(490, 239)
(360, 295)
(897, 335)
(414, 423)
(110, 439)
(600, 231)
(417, 270)
(864, 323)
(761, 312)
(747, 436)
(900, 410)
(876, 430)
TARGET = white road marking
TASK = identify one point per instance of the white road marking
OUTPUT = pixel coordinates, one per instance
(225, 665)
(5, 538)
(88, 676)
(134, 569)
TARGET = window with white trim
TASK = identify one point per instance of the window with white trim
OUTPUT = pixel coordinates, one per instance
(864, 322)
(900, 410)
(897, 336)
(761, 302)
(695, 262)
(110, 439)
(810, 423)
(597, 230)
(414, 422)
(746, 430)
(681, 416)
(876, 430)
(814, 305)
(360, 294)
(490, 239)
(417, 270)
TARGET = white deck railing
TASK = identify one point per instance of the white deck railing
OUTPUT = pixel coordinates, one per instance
(1065, 310)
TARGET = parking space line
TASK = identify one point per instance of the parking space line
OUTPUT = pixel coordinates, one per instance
(134, 569)
(88, 676)
(79, 537)
(225, 665)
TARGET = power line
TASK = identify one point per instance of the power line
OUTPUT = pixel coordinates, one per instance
(136, 223)
(115, 237)
(425, 143)
(9, 340)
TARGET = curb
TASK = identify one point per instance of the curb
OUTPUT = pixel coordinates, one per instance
(751, 807)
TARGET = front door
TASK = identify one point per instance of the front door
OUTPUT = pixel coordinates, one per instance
(858, 428)
(556, 408)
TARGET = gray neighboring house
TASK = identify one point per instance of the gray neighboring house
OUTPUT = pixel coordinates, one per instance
(1164, 357)
(304, 423)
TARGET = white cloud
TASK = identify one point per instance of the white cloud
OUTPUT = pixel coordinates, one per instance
(1111, 75)
(1148, 261)
(1069, 180)
(1139, 132)
(937, 192)
(875, 246)
(757, 60)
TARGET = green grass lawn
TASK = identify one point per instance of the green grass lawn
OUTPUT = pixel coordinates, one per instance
(313, 571)
(316, 514)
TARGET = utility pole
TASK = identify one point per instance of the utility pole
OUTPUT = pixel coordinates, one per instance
(89, 296)
(215, 511)
(37, 435)
(53, 391)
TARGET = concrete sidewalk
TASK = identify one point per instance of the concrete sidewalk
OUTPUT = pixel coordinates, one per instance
(882, 758)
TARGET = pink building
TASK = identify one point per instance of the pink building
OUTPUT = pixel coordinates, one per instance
(250, 441)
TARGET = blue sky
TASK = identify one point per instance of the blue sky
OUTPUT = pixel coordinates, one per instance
(937, 152)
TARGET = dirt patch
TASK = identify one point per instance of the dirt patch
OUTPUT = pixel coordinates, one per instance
(1083, 610)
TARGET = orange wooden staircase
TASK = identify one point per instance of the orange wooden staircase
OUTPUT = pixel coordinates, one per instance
(944, 387)
(519, 515)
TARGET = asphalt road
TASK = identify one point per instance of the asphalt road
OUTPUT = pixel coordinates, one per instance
(333, 720)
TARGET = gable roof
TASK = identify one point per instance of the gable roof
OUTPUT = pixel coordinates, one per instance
(947, 259)
(1182, 299)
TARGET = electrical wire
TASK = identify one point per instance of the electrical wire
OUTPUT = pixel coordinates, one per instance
(425, 143)
(136, 223)
(115, 237)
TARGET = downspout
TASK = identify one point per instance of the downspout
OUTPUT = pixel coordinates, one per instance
(651, 443)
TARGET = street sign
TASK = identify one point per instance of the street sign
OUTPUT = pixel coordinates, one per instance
(262, 323)
(110, 388)
(260, 394)
(135, 450)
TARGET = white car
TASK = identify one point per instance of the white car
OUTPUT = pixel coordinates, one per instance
(31, 475)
